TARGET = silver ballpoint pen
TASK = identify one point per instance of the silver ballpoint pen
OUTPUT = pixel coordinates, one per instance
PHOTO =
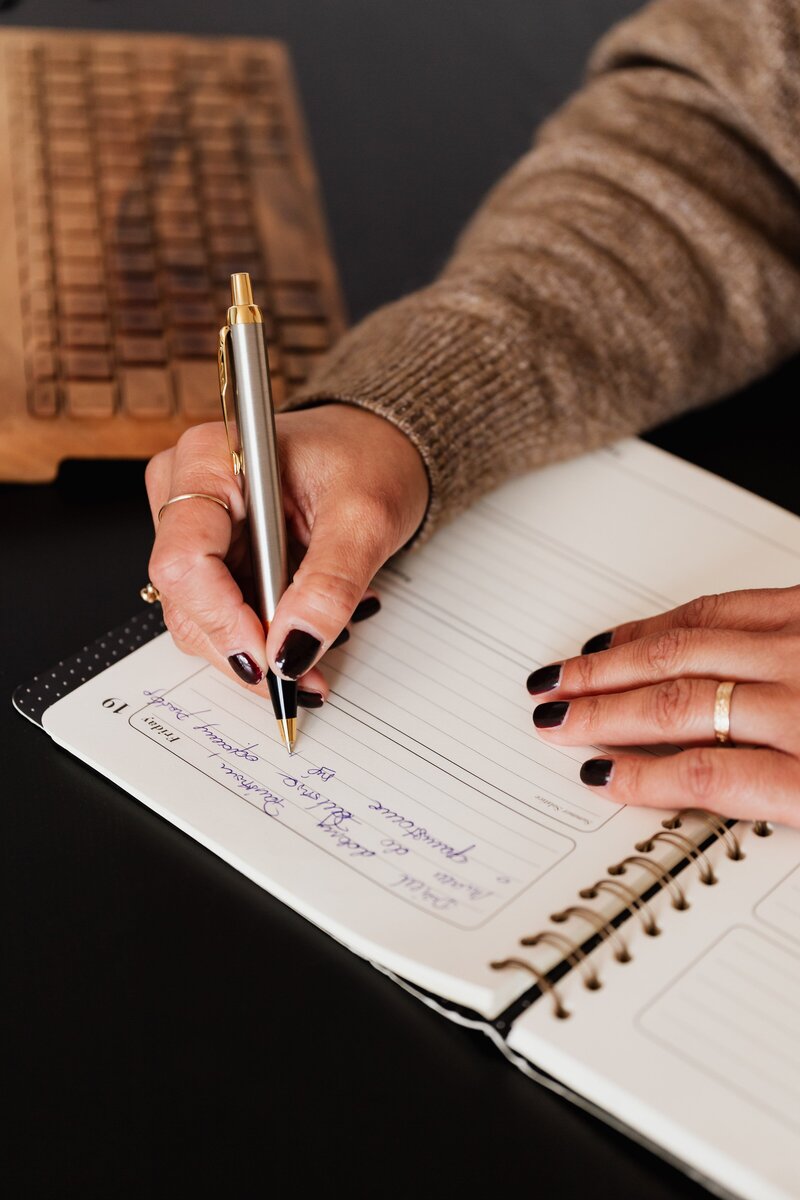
(250, 428)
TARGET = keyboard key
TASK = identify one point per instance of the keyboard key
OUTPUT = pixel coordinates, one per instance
(184, 255)
(43, 400)
(86, 364)
(176, 204)
(296, 302)
(82, 304)
(238, 242)
(90, 400)
(43, 365)
(139, 320)
(136, 351)
(304, 335)
(135, 291)
(67, 195)
(133, 262)
(147, 392)
(194, 343)
(85, 247)
(76, 274)
(135, 233)
(194, 312)
(177, 229)
(197, 385)
(75, 220)
(192, 284)
(85, 334)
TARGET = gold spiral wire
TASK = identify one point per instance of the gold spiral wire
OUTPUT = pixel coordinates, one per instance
(545, 986)
(602, 927)
(662, 875)
(728, 838)
(573, 954)
(689, 848)
(635, 904)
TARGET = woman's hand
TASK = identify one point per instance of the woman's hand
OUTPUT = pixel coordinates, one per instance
(355, 490)
(654, 682)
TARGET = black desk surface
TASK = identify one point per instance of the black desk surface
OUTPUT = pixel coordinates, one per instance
(171, 1025)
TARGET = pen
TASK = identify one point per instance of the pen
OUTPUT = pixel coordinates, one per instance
(250, 428)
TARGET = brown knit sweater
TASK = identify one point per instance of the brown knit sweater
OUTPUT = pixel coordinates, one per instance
(642, 258)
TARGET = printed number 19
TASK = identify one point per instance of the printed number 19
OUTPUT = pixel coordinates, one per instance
(115, 703)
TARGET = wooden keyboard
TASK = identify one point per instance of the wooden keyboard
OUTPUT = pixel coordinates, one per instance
(137, 173)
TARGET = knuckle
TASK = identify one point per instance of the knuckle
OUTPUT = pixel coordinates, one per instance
(671, 704)
(703, 610)
(585, 668)
(665, 651)
(590, 714)
(697, 774)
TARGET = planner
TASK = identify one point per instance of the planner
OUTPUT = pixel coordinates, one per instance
(645, 963)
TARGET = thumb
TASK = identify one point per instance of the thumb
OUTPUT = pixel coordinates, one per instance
(345, 551)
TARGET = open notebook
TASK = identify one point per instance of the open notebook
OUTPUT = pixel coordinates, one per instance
(423, 823)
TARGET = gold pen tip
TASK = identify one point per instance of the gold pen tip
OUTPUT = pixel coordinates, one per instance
(287, 728)
(241, 288)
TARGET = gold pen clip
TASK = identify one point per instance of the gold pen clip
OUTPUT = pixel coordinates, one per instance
(225, 387)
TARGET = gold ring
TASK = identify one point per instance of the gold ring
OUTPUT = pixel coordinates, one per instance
(150, 593)
(722, 712)
(193, 496)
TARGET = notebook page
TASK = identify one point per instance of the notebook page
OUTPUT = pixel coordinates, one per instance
(695, 1042)
(421, 820)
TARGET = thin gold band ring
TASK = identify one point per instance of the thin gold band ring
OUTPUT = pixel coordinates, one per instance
(722, 712)
(193, 496)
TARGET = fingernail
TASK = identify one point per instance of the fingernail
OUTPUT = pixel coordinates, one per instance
(309, 699)
(297, 653)
(343, 637)
(545, 679)
(600, 641)
(548, 716)
(597, 771)
(246, 667)
(366, 608)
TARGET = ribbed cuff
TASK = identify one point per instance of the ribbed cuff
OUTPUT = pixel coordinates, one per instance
(442, 375)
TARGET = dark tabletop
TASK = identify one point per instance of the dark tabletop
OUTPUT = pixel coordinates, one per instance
(171, 1025)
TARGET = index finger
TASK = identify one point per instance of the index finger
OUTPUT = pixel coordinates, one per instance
(756, 610)
(187, 563)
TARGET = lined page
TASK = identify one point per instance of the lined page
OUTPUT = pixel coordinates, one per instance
(733, 1015)
(421, 819)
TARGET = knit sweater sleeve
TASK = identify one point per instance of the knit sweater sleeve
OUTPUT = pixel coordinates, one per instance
(642, 258)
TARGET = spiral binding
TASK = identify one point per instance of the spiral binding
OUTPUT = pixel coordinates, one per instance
(634, 904)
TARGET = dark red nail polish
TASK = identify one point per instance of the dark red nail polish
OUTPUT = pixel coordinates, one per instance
(297, 653)
(600, 641)
(549, 716)
(246, 667)
(309, 699)
(343, 637)
(545, 679)
(597, 771)
(366, 608)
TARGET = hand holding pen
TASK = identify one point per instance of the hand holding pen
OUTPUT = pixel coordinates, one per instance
(354, 491)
